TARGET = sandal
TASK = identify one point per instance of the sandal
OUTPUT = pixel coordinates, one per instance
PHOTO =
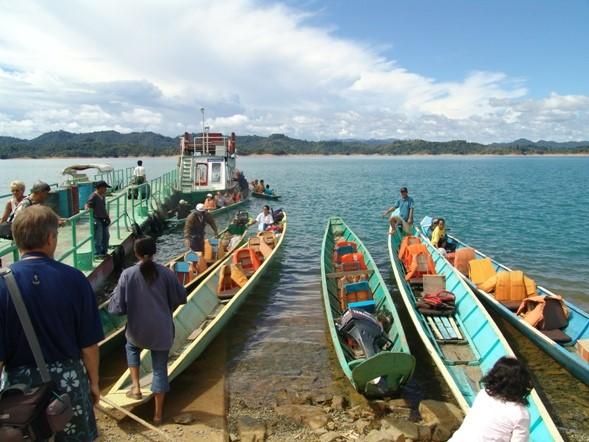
(132, 395)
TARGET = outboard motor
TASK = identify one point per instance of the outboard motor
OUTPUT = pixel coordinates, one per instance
(369, 335)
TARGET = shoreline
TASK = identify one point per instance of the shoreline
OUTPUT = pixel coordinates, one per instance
(320, 155)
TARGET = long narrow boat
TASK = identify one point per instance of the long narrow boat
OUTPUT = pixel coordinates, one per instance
(225, 209)
(386, 363)
(464, 344)
(208, 309)
(562, 345)
(113, 326)
(265, 196)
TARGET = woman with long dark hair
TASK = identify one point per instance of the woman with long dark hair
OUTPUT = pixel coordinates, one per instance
(499, 411)
(148, 293)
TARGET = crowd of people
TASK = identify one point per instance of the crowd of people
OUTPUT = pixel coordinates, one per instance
(63, 308)
(222, 199)
(261, 187)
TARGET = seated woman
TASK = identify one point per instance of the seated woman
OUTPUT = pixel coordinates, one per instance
(219, 200)
(268, 191)
(261, 186)
(499, 411)
(236, 196)
(264, 219)
(440, 239)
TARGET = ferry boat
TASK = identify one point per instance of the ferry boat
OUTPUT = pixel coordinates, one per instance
(207, 164)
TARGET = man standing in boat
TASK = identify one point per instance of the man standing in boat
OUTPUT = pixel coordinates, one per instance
(97, 202)
(194, 229)
(405, 205)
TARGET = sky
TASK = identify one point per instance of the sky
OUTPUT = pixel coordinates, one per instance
(484, 71)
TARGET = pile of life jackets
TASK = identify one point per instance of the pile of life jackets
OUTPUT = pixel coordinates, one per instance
(415, 258)
(346, 258)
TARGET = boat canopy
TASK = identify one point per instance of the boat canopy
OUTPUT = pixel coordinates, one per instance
(72, 170)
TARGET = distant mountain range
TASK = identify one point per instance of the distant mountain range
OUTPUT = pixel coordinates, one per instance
(115, 144)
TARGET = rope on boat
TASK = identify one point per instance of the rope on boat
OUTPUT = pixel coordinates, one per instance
(136, 418)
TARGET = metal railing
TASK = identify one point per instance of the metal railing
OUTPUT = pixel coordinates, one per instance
(128, 207)
(118, 179)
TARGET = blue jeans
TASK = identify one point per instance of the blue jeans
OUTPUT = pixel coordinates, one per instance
(159, 364)
(101, 236)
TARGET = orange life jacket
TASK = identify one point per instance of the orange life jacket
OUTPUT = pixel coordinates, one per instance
(403, 249)
(352, 261)
(462, 257)
(544, 312)
(421, 262)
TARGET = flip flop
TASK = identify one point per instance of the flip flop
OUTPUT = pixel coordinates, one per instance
(132, 395)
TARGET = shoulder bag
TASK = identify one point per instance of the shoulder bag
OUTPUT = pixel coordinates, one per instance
(31, 413)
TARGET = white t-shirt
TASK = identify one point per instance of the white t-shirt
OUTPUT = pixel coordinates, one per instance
(493, 420)
(139, 171)
(262, 219)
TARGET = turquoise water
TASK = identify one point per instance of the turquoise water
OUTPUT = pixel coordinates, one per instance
(527, 212)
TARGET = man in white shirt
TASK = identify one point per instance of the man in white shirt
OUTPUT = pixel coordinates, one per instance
(139, 173)
(264, 219)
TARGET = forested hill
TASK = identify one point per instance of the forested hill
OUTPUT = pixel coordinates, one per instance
(115, 144)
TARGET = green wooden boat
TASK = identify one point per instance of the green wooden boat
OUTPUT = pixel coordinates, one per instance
(466, 344)
(265, 196)
(113, 326)
(226, 209)
(205, 313)
(391, 365)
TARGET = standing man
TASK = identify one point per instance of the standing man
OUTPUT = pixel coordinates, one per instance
(405, 205)
(64, 314)
(194, 229)
(139, 173)
(97, 202)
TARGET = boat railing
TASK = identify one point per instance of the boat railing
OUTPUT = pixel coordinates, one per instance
(118, 179)
(162, 188)
(81, 259)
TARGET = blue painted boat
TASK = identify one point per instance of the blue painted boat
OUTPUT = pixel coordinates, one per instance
(265, 196)
(391, 366)
(466, 344)
(578, 323)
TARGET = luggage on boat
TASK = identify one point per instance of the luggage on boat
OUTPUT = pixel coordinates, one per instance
(278, 215)
(548, 314)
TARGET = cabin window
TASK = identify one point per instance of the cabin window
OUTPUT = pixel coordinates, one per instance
(216, 173)
(200, 176)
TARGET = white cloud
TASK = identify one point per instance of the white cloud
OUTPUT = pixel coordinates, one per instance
(256, 68)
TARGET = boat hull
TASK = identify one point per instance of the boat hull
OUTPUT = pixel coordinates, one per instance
(577, 328)
(482, 338)
(396, 363)
(265, 196)
(197, 323)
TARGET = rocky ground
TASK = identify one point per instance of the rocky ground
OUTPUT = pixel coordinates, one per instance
(326, 417)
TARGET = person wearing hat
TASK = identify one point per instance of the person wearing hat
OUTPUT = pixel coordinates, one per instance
(39, 193)
(194, 229)
(97, 202)
(210, 203)
(405, 205)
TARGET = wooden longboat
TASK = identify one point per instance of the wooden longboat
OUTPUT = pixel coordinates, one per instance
(566, 353)
(225, 209)
(386, 371)
(205, 313)
(265, 196)
(113, 326)
(468, 344)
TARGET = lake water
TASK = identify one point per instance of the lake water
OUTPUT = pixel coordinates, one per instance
(527, 212)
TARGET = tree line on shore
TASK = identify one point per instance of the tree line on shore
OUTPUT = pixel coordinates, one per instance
(115, 144)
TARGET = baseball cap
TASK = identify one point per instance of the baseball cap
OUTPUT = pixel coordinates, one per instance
(209, 195)
(40, 186)
(101, 183)
(200, 207)
(403, 189)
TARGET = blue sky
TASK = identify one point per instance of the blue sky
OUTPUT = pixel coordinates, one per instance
(439, 70)
(544, 42)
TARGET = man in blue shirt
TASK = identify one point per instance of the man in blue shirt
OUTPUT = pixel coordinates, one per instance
(64, 313)
(405, 205)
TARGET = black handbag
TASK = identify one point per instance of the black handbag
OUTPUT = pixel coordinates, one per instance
(31, 413)
(6, 230)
